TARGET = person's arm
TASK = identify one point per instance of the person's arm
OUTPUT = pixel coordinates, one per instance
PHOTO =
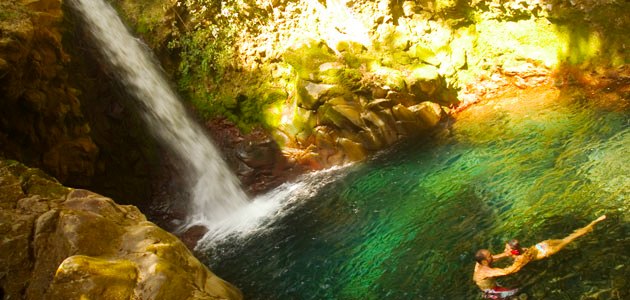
(506, 253)
(500, 256)
(515, 267)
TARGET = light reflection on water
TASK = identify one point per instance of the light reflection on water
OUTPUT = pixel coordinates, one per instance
(406, 224)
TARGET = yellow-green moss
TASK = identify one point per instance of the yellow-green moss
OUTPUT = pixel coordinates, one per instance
(11, 12)
(307, 58)
(35, 181)
(526, 39)
(423, 72)
(390, 77)
(354, 54)
(83, 277)
(272, 115)
(422, 52)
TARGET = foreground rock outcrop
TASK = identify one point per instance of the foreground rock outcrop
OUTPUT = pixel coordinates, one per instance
(63, 243)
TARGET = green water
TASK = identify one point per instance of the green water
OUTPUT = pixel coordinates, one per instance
(406, 224)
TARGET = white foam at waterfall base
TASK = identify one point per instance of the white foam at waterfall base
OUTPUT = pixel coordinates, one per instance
(260, 215)
(216, 191)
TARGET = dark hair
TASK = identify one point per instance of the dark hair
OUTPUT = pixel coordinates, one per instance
(516, 247)
(514, 244)
(481, 255)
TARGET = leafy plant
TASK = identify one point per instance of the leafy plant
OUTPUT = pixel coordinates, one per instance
(204, 44)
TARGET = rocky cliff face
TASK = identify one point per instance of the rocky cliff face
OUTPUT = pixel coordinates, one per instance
(344, 106)
(41, 121)
(335, 80)
(63, 243)
(60, 110)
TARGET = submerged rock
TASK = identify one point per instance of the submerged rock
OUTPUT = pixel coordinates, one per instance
(63, 243)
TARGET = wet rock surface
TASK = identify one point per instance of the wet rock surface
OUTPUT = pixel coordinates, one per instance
(255, 157)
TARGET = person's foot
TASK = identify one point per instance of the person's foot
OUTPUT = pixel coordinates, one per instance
(601, 218)
(589, 227)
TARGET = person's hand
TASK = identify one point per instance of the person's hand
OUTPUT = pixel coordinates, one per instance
(507, 249)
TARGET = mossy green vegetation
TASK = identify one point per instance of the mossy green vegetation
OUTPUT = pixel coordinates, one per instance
(524, 39)
(35, 181)
(203, 57)
(153, 20)
(200, 34)
(307, 58)
(10, 13)
(204, 42)
(354, 54)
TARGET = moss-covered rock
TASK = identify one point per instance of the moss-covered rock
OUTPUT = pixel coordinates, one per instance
(306, 59)
(341, 113)
(310, 94)
(63, 243)
(430, 113)
(84, 276)
(381, 123)
(353, 150)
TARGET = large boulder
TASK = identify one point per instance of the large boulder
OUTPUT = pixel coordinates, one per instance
(63, 243)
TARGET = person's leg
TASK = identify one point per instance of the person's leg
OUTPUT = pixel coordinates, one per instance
(550, 247)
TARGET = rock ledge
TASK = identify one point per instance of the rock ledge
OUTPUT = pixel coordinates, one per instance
(63, 243)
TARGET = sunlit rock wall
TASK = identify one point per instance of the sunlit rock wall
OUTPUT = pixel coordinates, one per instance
(62, 243)
(344, 106)
(335, 80)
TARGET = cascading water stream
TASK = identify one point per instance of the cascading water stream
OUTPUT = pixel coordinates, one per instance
(215, 190)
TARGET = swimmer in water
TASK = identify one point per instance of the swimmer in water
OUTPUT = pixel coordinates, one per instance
(485, 276)
(543, 249)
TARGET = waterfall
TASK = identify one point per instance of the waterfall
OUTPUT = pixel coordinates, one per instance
(216, 193)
